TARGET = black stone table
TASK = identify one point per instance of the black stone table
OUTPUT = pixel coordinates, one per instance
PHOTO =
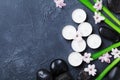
(30, 37)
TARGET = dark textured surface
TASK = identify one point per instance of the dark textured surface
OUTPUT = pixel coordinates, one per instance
(30, 37)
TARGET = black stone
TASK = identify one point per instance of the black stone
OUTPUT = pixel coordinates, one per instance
(109, 34)
(58, 67)
(118, 65)
(43, 74)
(114, 5)
(114, 73)
(64, 76)
(83, 76)
(30, 36)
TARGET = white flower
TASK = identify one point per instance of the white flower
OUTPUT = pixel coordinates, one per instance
(78, 36)
(98, 5)
(87, 57)
(98, 18)
(105, 58)
(116, 53)
(91, 70)
(60, 3)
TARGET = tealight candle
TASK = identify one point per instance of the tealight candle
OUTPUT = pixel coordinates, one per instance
(75, 59)
(94, 41)
(79, 15)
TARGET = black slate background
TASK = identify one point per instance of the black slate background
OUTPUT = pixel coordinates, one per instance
(30, 37)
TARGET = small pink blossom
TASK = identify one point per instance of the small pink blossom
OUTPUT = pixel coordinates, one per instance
(98, 18)
(60, 3)
(91, 70)
(116, 53)
(78, 36)
(87, 57)
(98, 5)
(105, 58)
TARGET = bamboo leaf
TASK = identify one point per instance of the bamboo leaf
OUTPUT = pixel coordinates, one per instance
(110, 14)
(89, 5)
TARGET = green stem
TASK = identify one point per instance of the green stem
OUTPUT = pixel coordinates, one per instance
(109, 13)
(108, 49)
(108, 22)
(101, 76)
(89, 5)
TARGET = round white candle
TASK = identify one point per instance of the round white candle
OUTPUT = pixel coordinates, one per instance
(94, 41)
(85, 29)
(78, 45)
(69, 32)
(75, 59)
(79, 15)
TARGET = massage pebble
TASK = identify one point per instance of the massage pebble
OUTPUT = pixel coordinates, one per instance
(64, 76)
(114, 5)
(109, 34)
(58, 66)
(43, 74)
(83, 76)
(59, 70)
(114, 73)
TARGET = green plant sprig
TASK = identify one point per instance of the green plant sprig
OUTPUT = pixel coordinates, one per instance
(106, 70)
(89, 5)
(100, 53)
(110, 14)
(96, 55)
(108, 49)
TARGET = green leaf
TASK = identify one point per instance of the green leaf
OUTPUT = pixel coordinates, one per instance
(108, 49)
(110, 14)
(102, 75)
(89, 5)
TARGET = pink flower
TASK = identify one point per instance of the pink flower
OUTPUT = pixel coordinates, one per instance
(87, 57)
(116, 53)
(91, 70)
(98, 5)
(78, 36)
(98, 18)
(105, 58)
(60, 3)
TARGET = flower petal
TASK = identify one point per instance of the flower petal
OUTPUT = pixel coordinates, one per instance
(60, 3)
(98, 18)
(98, 5)
(91, 70)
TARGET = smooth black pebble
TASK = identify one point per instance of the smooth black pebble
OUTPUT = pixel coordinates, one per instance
(114, 73)
(83, 76)
(43, 74)
(109, 34)
(64, 76)
(114, 5)
(58, 66)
